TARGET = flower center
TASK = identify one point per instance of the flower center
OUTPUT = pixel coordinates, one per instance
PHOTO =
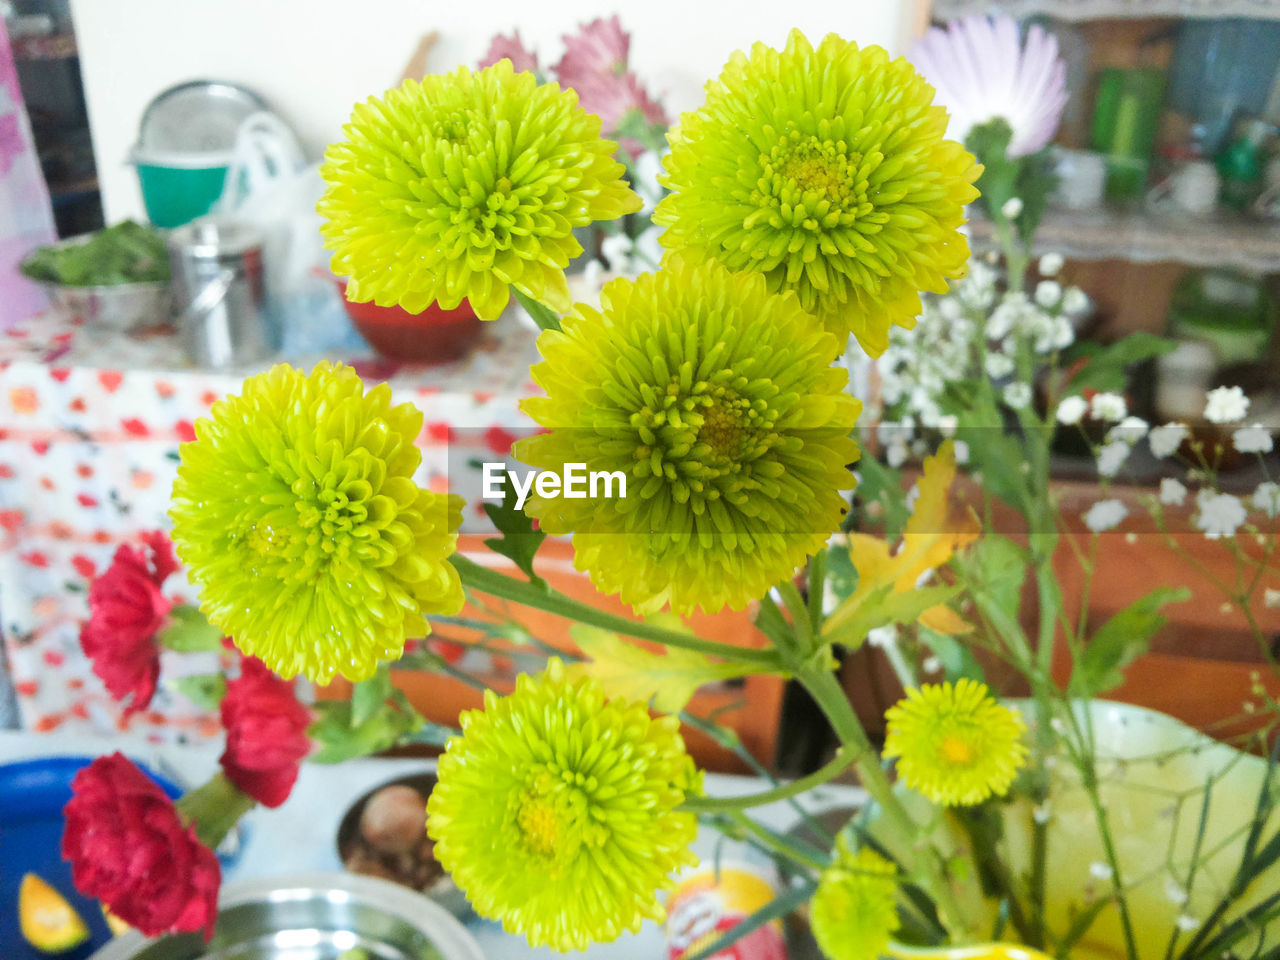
(956, 752)
(805, 171)
(540, 825)
(554, 817)
(722, 429)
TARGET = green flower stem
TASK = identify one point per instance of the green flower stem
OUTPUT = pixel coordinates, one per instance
(817, 588)
(543, 316)
(485, 580)
(801, 624)
(843, 760)
(775, 843)
(214, 809)
(929, 873)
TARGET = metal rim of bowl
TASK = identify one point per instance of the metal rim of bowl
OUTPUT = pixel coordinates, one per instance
(446, 934)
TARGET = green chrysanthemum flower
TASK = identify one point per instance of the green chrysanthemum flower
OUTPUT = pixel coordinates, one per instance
(955, 744)
(825, 170)
(717, 402)
(854, 910)
(555, 812)
(296, 512)
(463, 185)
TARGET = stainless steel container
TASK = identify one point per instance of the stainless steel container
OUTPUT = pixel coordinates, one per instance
(219, 292)
(317, 916)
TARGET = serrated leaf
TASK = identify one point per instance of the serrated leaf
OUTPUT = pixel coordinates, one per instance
(339, 739)
(1120, 641)
(190, 632)
(628, 672)
(1106, 368)
(519, 542)
(957, 659)
(997, 567)
(205, 690)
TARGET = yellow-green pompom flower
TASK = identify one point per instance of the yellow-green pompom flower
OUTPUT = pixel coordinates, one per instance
(954, 743)
(464, 185)
(717, 403)
(296, 513)
(555, 811)
(854, 910)
(826, 171)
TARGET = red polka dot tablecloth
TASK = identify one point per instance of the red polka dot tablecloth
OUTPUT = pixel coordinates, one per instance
(89, 431)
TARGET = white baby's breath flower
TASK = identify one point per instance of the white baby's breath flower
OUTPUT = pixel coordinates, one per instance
(883, 637)
(1007, 316)
(1011, 208)
(1165, 440)
(1172, 492)
(1226, 405)
(1105, 514)
(1267, 498)
(1050, 264)
(1063, 333)
(896, 453)
(1071, 410)
(1174, 892)
(998, 366)
(948, 423)
(1074, 302)
(1254, 439)
(931, 665)
(1186, 923)
(1042, 814)
(1108, 407)
(1218, 514)
(1271, 599)
(1112, 457)
(1131, 429)
(950, 308)
(1100, 871)
(1017, 395)
(961, 449)
(1048, 293)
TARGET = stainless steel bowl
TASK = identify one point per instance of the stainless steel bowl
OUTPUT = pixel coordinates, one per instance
(317, 916)
(122, 307)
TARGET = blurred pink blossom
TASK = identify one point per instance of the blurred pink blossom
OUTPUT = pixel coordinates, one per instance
(598, 50)
(510, 48)
(612, 97)
(981, 71)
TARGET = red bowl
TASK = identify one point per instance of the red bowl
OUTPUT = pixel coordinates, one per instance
(433, 336)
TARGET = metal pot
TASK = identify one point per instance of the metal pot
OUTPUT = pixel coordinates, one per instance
(316, 916)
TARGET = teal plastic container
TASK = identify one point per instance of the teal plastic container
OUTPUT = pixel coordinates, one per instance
(178, 189)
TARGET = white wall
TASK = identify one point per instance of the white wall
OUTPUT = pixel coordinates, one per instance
(312, 59)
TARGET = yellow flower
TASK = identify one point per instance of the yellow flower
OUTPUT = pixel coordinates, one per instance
(296, 513)
(826, 171)
(464, 185)
(854, 910)
(954, 743)
(718, 404)
(555, 812)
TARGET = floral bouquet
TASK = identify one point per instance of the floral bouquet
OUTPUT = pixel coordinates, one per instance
(813, 197)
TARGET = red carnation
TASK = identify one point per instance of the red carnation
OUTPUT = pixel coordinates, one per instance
(266, 733)
(126, 611)
(129, 848)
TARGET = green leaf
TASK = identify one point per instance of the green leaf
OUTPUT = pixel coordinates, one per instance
(957, 660)
(190, 632)
(629, 672)
(998, 567)
(340, 739)
(542, 315)
(1106, 368)
(205, 690)
(882, 485)
(1120, 641)
(884, 606)
(368, 696)
(519, 542)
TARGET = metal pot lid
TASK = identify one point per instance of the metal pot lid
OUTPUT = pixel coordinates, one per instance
(214, 236)
(199, 116)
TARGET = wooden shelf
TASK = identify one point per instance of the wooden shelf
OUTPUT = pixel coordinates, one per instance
(1222, 239)
(1077, 10)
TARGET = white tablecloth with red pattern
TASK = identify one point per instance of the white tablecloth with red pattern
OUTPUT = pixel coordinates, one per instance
(89, 431)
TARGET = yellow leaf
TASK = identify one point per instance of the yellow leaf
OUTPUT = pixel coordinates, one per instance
(942, 619)
(929, 540)
(629, 672)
